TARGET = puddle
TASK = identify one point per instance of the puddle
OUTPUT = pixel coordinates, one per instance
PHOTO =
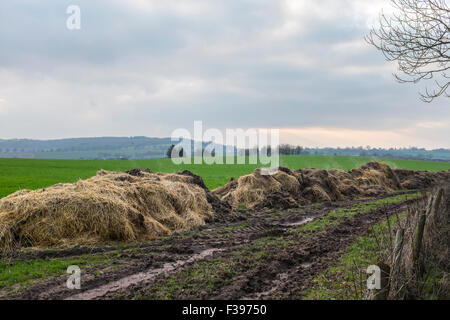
(306, 265)
(298, 223)
(276, 284)
(139, 277)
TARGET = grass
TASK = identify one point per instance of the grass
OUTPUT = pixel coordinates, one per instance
(16, 174)
(18, 274)
(346, 280)
(201, 278)
(433, 281)
(334, 217)
(23, 272)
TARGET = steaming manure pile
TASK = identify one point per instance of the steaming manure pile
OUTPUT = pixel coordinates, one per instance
(139, 205)
(110, 206)
(290, 189)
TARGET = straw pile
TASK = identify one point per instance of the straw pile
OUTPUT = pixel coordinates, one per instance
(139, 205)
(421, 179)
(132, 206)
(256, 190)
(289, 189)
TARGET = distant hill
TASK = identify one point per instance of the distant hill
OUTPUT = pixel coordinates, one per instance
(104, 148)
(135, 148)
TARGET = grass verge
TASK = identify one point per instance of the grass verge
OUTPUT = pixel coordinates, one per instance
(16, 275)
(347, 279)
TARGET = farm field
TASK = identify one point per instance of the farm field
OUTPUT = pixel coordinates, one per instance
(275, 254)
(317, 249)
(225, 159)
(16, 174)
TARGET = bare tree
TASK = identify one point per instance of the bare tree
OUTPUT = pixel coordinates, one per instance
(417, 36)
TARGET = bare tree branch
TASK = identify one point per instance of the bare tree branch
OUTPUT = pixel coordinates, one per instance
(417, 37)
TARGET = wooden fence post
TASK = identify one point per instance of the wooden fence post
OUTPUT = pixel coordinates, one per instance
(437, 201)
(398, 249)
(419, 236)
(396, 259)
(420, 228)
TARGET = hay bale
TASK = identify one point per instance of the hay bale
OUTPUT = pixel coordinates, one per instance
(110, 206)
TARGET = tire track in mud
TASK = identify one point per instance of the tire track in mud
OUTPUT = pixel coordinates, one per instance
(243, 235)
(169, 251)
(162, 258)
(287, 274)
(293, 281)
(141, 277)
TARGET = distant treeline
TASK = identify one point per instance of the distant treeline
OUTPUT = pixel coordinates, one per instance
(412, 153)
(112, 148)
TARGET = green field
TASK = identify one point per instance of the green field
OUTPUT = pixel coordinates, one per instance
(16, 174)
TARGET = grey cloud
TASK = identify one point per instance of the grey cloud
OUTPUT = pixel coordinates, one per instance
(138, 72)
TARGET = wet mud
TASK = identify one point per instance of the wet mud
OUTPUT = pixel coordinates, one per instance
(268, 258)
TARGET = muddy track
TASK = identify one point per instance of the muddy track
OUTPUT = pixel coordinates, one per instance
(286, 273)
(141, 277)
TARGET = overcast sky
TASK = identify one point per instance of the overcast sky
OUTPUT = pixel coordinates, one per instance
(148, 67)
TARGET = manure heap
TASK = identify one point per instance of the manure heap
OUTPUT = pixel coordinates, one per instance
(111, 206)
(290, 189)
(139, 205)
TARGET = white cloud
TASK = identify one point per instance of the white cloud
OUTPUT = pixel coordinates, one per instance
(180, 7)
(342, 137)
(384, 70)
(434, 125)
(2, 105)
(355, 45)
(369, 10)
